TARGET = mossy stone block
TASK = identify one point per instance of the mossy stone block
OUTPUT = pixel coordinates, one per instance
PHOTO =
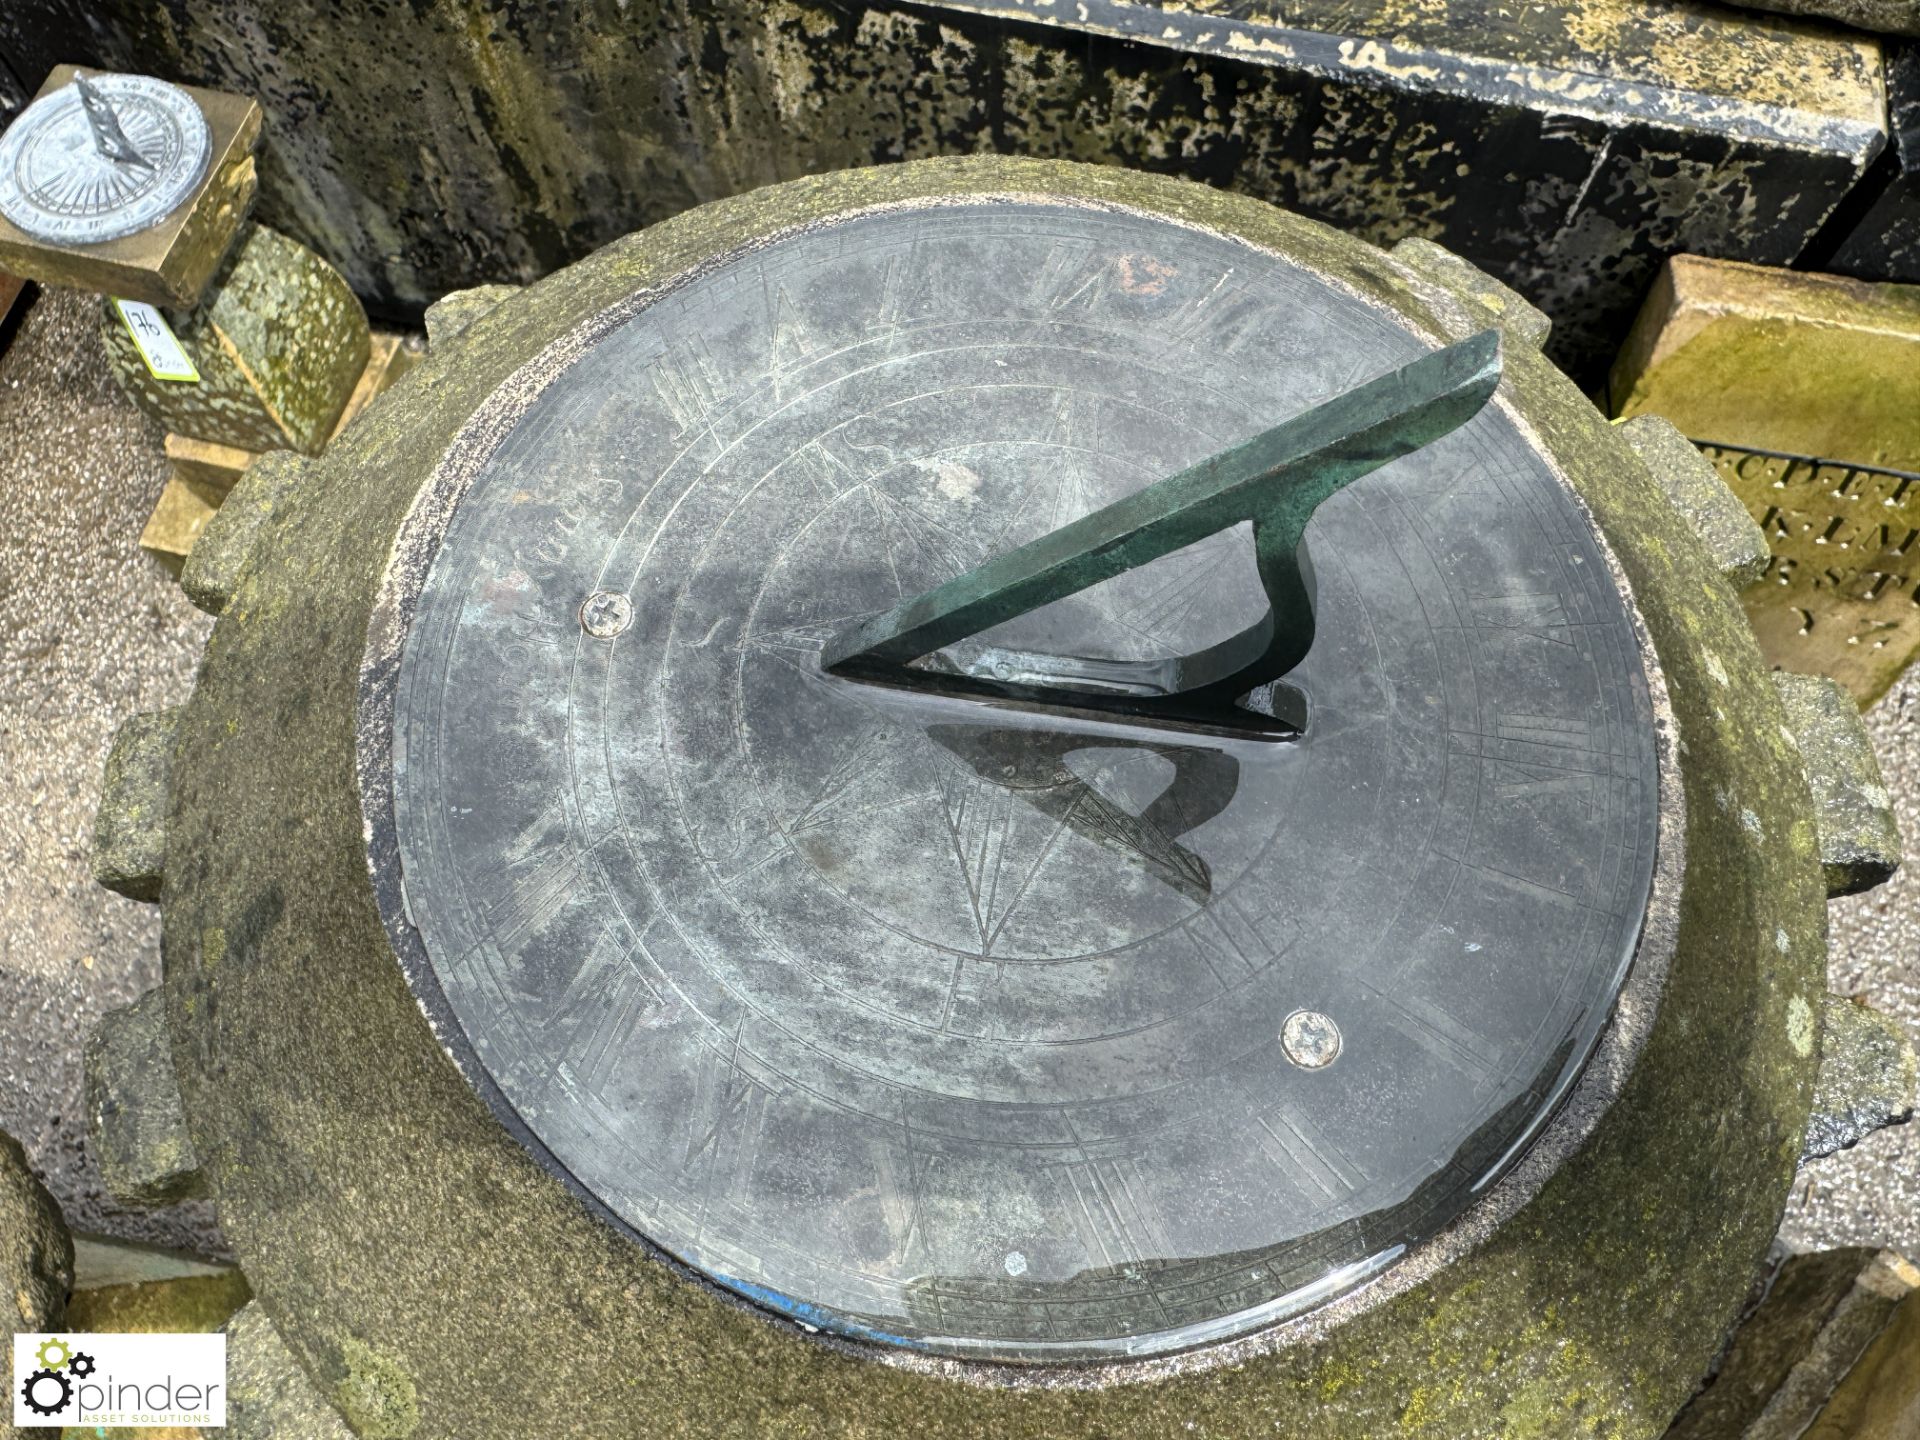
(1768, 359)
(454, 312)
(135, 1122)
(269, 1396)
(36, 1252)
(1520, 322)
(1867, 1077)
(220, 552)
(1737, 546)
(280, 343)
(1859, 838)
(130, 827)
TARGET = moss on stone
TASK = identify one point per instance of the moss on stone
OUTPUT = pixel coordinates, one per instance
(375, 1395)
(134, 1120)
(369, 1192)
(130, 827)
(36, 1252)
(1859, 839)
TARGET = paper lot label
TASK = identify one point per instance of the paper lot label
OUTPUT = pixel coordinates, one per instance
(166, 357)
(107, 1380)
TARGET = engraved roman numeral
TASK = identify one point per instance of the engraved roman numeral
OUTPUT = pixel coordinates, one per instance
(1533, 782)
(901, 1188)
(555, 539)
(1222, 319)
(791, 340)
(725, 1127)
(1073, 277)
(905, 297)
(1435, 1031)
(1111, 1210)
(602, 1008)
(1539, 616)
(534, 879)
(685, 381)
(1573, 736)
(1301, 1152)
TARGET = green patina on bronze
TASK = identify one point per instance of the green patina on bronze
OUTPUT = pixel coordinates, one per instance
(279, 341)
(1275, 482)
(375, 1202)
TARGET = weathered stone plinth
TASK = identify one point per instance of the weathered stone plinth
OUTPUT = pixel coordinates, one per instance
(280, 343)
(133, 1105)
(420, 1263)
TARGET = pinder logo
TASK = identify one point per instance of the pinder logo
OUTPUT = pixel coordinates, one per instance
(105, 1380)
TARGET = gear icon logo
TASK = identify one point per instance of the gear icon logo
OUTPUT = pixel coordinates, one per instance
(54, 1353)
(47, 1392)
(82, 1365)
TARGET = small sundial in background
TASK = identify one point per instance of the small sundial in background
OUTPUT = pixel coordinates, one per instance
(102, 158)
(126, 185)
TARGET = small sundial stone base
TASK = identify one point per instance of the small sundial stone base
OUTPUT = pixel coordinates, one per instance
(204, 472)
(172, 262)
(280, 343)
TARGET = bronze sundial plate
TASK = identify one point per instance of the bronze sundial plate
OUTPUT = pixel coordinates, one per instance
(972, 1029)
(170, 255)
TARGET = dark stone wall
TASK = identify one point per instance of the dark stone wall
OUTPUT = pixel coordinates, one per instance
(1879, 227)
(426, 145)
(12, 93)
